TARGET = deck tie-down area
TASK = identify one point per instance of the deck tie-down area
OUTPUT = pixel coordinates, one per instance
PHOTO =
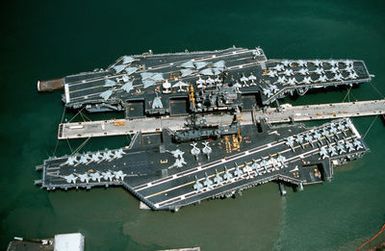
(165, 175)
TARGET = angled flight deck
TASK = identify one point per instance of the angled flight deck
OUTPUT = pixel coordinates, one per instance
(161, 84)
(166, 176)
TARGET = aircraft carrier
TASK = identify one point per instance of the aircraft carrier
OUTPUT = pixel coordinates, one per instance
(161, 84)
(215, 153)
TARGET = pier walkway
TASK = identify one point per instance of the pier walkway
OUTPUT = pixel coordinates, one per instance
(285, 114)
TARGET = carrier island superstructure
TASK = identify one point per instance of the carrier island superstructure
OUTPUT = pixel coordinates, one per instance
(222, 145)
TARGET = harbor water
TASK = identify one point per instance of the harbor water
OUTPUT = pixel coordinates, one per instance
(49, 39)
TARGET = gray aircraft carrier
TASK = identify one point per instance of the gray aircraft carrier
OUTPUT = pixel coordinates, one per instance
(215, 153)
(164, 175)
(160, 84)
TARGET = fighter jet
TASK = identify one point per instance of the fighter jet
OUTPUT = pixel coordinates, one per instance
(349, 68)
(335, 70)
(244, 79)
(207, 183)
(218, 81)
(290, 142)
(238, 172)
(210, 82)
(352, 75)
(274, 89)
(272, 74)
(70, 178)
(255, 166)
(95, 157)
(299, 140)
(199, 65)
(264, 164)
(84, 177)
(83, 159)
(317, 136)
(333, 129)
(348, 63)
(128, 59)
(357, 144)
(288, 72)
(237, 85)
(186, 72)
(338, 77)
(275, 164)
(180, 85)
(220, 64)
(130, 70)
(71, 161)
(340, 147)
(303, 71)
(323, 152)
(118, 154)
(333, 63)
(96, 176)
(267, 92)
(349, 146)
(157, 103)
(281, 80)
(109, 83)
(195, 151)
(286, 62)
(118, 68)
(166, 87)
(119, 175)
(322, 79)
(177, 153)
(207, 72)
(317, 62)
(206, 149)
(108, 175)
(127, 87)
(252, 78)
(106, 95)
(188, 64)
(282, 160)
(341, 127)
(198, 185)
(218, 179)
(326, 134)
(278, 67)
(302, 63)
(227, 176)
(332, 151)
(292, 81)
(178, 163)
(309, 139)
(319, 71)
(200, 83)
(307, 80)
(247, 168)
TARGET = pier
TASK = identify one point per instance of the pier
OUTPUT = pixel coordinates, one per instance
(284, 114)
(323, 111)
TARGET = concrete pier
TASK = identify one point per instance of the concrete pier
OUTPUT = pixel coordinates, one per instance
(285, 114)
(324, 111)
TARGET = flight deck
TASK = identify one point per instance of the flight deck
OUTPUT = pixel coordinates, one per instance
(167, 176)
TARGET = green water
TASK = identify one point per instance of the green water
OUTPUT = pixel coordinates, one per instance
(47, 39)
